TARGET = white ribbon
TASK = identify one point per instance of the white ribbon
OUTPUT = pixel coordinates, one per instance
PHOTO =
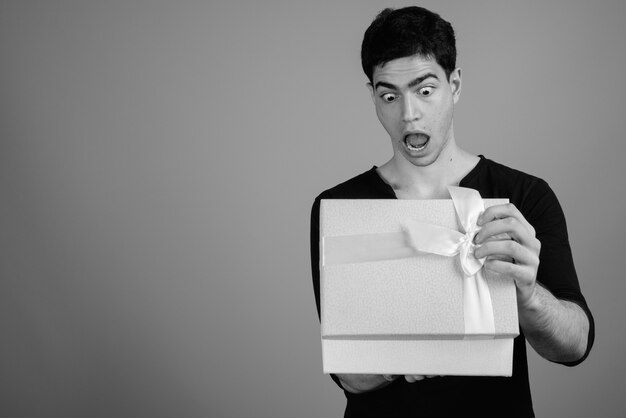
(423, 237)
(477, 307)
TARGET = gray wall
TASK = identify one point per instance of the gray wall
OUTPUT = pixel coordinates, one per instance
(157, 166)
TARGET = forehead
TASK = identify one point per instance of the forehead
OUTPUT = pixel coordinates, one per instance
(403, 70)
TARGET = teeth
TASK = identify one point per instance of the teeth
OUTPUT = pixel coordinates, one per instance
(412, 148)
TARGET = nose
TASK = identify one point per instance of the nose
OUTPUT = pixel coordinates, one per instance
(411, 109)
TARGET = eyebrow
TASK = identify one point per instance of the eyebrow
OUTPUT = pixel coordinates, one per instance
(413, 83)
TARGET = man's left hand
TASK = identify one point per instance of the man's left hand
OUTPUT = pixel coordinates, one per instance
(517, 255)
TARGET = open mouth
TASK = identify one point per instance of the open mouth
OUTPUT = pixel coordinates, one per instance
(416, 142)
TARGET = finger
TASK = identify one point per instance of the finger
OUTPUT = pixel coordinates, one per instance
(495, 237)
(389, 377)
(503, 211)
(510, 227)
(413, 378)
(500, 257)
(519, 273)
(511, 249)
(522, 277)
(503, 236)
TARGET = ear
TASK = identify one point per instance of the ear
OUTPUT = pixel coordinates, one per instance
(370, 87)
(455, 84)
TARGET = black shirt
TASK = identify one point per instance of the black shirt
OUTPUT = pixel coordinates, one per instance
(461, 395)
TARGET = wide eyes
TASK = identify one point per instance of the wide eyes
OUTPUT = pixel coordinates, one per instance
(422, 91)
(389, 97)
(426, 91)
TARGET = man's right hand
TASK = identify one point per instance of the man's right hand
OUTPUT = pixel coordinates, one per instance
(361, 383)
(412, 378)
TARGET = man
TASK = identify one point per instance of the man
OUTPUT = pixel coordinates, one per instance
(409, 57)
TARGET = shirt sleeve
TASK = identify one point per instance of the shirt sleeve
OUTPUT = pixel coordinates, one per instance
(556, 266)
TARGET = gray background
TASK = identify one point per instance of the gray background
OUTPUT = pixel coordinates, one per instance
(158, 162)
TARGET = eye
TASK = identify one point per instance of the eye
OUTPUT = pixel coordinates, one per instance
(426, 91)
(389, 97)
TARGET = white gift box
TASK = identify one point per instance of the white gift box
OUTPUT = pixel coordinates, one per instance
(387, 308)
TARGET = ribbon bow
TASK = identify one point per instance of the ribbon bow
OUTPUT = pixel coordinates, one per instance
(448, 242)
(434, 239)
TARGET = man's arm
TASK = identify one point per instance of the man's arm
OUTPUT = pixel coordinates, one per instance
(361, 383)
(556, 329)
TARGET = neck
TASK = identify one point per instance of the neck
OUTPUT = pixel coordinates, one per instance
(410, 181)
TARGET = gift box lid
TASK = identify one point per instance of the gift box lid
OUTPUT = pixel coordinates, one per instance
(419, 296)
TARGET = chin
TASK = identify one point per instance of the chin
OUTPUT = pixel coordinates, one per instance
(423, 161)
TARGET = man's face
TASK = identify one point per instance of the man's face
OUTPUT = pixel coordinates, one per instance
(414, 101)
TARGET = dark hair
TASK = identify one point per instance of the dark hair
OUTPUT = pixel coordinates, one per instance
(406, 32)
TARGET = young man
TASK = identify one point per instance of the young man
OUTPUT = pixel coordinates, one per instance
(409, 57)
